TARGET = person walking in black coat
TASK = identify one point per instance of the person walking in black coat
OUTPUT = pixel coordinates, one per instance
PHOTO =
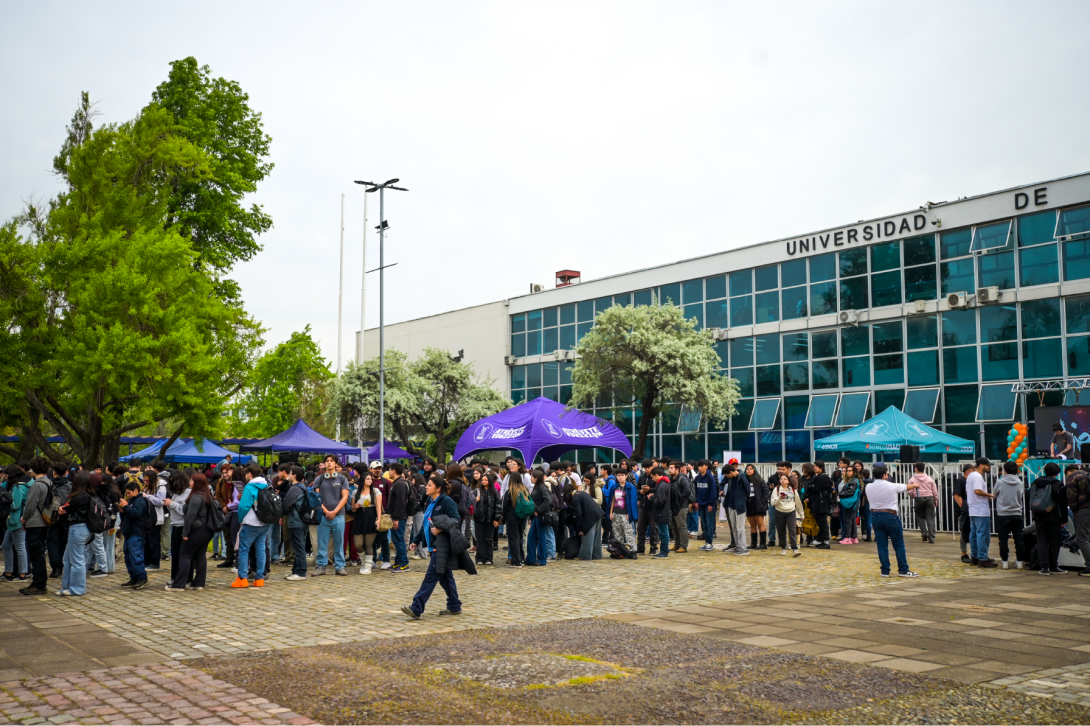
(1050, 520)
(486, 511)
(661, 507)
(586, 516)
(820, 494)
(197, 531)
(447, 548)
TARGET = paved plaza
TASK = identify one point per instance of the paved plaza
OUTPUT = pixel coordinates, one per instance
(1014, 632)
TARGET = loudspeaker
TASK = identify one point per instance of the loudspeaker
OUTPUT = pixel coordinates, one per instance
(1084, 453)
(910, 454)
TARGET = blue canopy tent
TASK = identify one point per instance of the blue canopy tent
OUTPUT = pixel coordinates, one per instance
(184, 451)
(889, 431)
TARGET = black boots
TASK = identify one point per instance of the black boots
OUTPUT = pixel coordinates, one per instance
(764, 541)
(753, 540)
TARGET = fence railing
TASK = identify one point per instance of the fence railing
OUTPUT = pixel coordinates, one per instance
(945, 476)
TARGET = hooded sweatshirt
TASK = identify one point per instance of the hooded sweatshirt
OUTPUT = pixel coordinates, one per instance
(928, 488)
(1009, 495)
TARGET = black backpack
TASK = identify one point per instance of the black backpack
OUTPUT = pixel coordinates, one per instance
(216, 518)
(151, 520)
(676, 505)
(269, 506)
(97, 516)
(412, 505)
(308, 505)
(7, 501)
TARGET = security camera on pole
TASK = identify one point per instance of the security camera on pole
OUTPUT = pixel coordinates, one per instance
(382, 227)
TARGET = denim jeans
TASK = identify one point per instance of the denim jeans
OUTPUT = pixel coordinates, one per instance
(536, 552)
(382, 544)
(331, 528)
(218, 546)
(887, 527)
(274, 541)
(707, 523)
(96, 553)
(74, 577)
(664, 537)
(109, 544)
(248, 535)
(134, 556)
(15, 549)
(401, 555)
(431, 579)
(692, 520)
(550, 540)
(299, 550)
(980, 535)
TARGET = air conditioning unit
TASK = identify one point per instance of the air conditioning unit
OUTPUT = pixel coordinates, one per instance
(509, 360)
(536, 287)
(957, 300)
(569, 355)
(849, 317)
(987, 294)
(718, 333)
(559, 354)
(921, 306)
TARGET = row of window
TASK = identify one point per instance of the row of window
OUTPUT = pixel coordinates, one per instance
(1016, 252)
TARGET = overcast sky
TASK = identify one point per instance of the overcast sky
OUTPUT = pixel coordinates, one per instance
(599, 136)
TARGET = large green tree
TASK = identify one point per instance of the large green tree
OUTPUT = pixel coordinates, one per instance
(118, 318)
(354, 399)
(288, 383)
(654, 356)
(214, 115)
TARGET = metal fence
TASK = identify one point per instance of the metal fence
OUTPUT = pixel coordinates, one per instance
(945, 476)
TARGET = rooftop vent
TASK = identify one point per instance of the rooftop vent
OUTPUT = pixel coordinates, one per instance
(567, 277)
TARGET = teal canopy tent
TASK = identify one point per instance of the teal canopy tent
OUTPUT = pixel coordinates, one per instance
(184, 451)
(889, 431)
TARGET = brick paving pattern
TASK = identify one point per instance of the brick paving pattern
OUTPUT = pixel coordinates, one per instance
(366, 607)
(158, 694)
(1070, 684)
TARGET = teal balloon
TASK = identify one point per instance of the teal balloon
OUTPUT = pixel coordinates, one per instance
(1011, 437)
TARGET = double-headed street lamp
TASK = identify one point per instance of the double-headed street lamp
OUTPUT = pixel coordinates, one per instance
(382, 227)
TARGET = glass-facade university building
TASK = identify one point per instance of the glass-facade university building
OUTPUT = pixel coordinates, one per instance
(936, 311)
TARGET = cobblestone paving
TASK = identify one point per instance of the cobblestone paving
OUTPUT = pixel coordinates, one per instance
(328, 610)
(166, 693)
(1070, 684)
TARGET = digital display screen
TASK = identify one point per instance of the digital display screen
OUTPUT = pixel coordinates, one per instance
(1074, 419)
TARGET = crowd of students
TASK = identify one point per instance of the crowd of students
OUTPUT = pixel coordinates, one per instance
(62, 523)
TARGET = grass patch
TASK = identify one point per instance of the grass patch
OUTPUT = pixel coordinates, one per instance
(591, 679)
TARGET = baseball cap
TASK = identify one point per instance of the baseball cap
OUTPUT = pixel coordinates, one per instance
(376, 464)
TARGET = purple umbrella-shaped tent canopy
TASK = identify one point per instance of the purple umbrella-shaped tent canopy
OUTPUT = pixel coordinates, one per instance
(541, 427)
(302, 438)
(391, 451)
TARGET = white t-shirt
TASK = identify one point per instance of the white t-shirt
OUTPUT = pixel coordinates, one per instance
(978, 506)
(882, 494)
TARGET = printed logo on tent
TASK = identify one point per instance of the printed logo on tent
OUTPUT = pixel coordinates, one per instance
(591, 433)
(551, 428)
(878, 428)
(483, 432)
(917, 429)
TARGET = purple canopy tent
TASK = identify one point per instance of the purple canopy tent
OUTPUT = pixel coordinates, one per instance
(302, 438)
(392, 452)
(541, 428)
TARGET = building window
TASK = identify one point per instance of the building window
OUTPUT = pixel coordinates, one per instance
(853, 262)
(1038, 266)
(716, 287)
(1042, 358)
(999, 362)
(920, 283)
(853, 409)
(998, 323)
(1078, 314)
(853, 293)
(585, 313)
(796, 346)
(692, 291)
(695, 312)
(718, 312)
(644, 297)
(855, 341)
(767, 348)
(889, 369)
(1078, 355)
(823, 298)
(824, 344)
(767, 307)
(744, 376)
(766, 278)
(887, 397)
(923, 368)
(796, 376)
(920, 250)
(741, 352)
(958, 327)
(794, 301)
(856, 372)
(997, 270)
(993, 236)
(955, 243)
(824, 373)
(888, 337)
(886, 288)
(997, 403)
(822, 411)
(960, 404)
(670, 294)
(957, 276)
(923, 332)
(1041, 318)
(765, 414)
(921, 404)
(741, 283)
(768, 380)
(959, 365)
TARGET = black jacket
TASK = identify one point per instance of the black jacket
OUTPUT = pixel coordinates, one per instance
(487, 508)
(584, 512)
(1058, 515)
(76, 509)
(820, 494)
(399, 497)
(132, 517)
(660, 503)
(543, 499)
(759, 498)
(451, 546)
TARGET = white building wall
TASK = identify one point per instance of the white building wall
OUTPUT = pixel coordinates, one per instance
(480, 331)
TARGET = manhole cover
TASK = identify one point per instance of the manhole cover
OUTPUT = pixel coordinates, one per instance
(518, 671)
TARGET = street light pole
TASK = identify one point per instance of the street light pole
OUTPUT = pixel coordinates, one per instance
(382, 227)
(363, 288)
(340, 306)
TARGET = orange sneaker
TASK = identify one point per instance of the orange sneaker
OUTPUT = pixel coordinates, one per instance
(259, 583)
(240, 582)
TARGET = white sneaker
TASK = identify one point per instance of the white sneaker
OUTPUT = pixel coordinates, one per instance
(783, 552)
(908, 574)
(1005, 565)
(1018, 565)
(386, 566)
(295, 578)
(64, 593)
(365, 570)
